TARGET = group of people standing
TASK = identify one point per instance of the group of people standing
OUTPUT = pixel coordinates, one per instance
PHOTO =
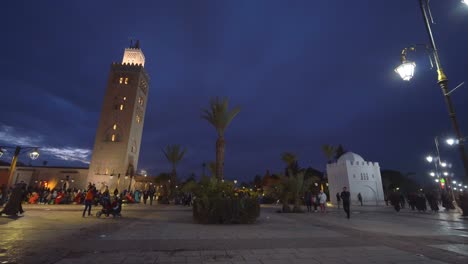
(320, 199)
(419, 201)
(315, 200)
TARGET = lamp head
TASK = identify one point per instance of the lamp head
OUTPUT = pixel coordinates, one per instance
(34, 154)
(465, 2)
(429, 158)
(406, 70)
(451, 141)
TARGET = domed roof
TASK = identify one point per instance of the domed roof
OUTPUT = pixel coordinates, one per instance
(350, 156)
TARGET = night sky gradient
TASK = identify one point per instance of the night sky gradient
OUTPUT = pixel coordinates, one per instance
(305, 73)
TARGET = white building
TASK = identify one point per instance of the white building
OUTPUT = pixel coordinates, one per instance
(358, 176)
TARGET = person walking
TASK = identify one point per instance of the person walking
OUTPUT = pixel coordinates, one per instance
(338, 200)
(308, 201)
(345, 197)
(88, 200)
(13, 206)
(145, 196)
(322, 200)
(359, 197)
(315, 201)
(151, 194)
(4, 197)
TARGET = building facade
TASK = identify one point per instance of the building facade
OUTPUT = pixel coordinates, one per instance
(358, 176)
(118, 136)
(48, 176)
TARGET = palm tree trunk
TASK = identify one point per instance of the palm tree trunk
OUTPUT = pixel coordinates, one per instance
(173, 180)
(220, 145)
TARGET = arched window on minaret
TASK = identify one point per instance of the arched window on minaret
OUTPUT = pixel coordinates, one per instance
(113, 133)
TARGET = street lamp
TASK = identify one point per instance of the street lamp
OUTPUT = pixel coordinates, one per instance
(465, 2)
(429, 159)
(406, 71)
(34, 154)
(454, 141)
(432, 174)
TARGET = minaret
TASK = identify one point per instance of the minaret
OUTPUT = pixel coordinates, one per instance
(118, 138)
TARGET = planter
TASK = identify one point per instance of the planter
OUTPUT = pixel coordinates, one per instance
(225, 210)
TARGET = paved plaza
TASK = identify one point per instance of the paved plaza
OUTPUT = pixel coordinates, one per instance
(167, 234)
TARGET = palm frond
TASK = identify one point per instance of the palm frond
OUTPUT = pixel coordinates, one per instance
(219, 115)
(173, 153)
(289, 158)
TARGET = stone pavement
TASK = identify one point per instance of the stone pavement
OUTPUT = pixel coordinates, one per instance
(166, 234)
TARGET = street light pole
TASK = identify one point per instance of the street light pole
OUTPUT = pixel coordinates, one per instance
(13, 164)
(442, 80)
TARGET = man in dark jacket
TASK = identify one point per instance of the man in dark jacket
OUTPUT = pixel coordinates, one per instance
(345, 197)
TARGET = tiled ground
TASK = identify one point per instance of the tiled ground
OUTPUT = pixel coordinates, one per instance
(166, 234)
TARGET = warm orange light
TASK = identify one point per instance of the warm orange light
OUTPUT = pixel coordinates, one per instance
(113, 138)
(126, 80)
(121, 80)
(115, 126)
(121, 107)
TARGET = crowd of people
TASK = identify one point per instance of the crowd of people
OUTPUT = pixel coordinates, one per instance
(20, 193)
(419, 201)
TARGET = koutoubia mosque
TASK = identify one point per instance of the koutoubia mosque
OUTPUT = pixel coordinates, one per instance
(118, 136)
(114, 159)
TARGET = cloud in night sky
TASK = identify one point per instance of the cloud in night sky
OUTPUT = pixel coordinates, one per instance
(10, 137)
(305, 73)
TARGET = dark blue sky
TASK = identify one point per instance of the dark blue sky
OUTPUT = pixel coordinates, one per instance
(305, 73)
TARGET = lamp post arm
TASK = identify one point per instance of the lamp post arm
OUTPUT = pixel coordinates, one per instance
(13, 165)
(443, 83)
(424, 7)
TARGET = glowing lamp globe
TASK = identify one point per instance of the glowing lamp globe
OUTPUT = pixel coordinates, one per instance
(34, 154)
(429, 158)
(432, 173)
(450, 141)
(406, 70)
(465, 2)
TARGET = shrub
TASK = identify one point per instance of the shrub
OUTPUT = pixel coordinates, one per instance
(227, 210)
(217, 203)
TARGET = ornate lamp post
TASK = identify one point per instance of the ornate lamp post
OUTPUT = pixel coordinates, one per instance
(33, 154)
(406, 72)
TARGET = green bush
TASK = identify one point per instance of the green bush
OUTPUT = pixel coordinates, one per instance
(228, 210)
(218, 203)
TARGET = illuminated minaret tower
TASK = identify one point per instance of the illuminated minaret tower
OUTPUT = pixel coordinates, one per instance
(117, 144)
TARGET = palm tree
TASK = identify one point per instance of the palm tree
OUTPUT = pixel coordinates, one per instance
(212, 168)
(292, 166)
(329, 152)
(220, 117)
(174, 155)
(287, 183)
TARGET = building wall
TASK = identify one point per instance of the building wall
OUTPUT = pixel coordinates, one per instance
(359, 177)
(118, 136)
(337, 179)
(52, 177)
